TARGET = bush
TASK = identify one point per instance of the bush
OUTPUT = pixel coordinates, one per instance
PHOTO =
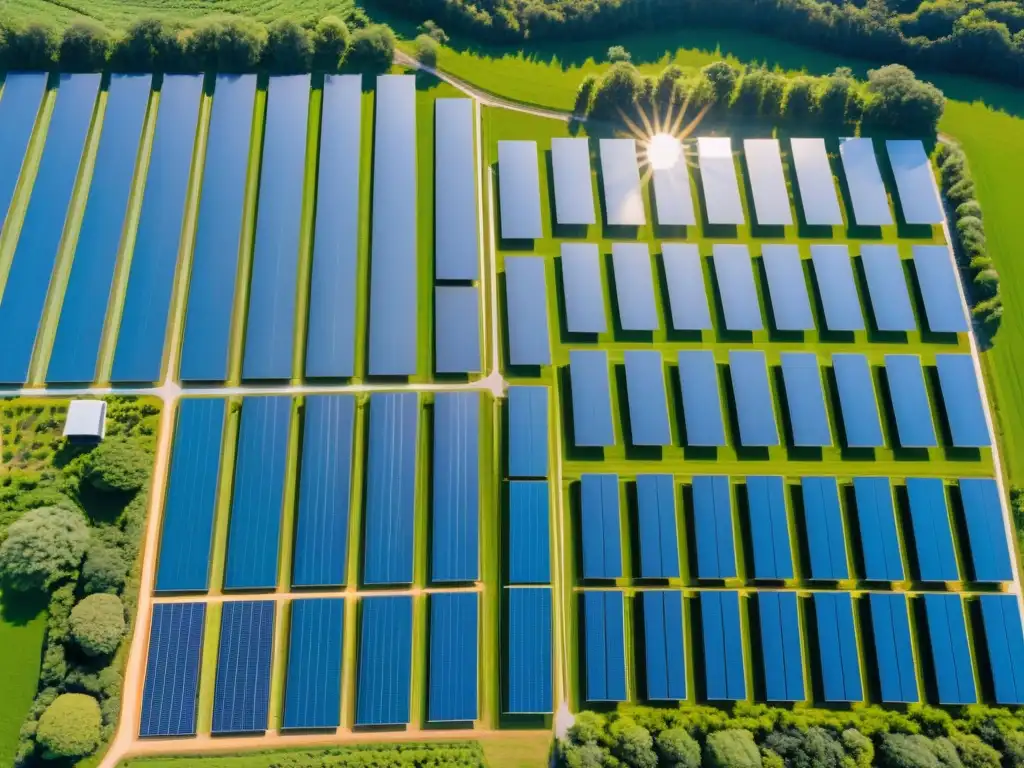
(970, 208)
(149, 45)
(585, 756)
(974, 753)
(616, 92)
(813, 748)
(226, 44)
(617, 53)
(431, 30)
(677, 749)
(104, 570)
(588, 728)
(858, 747)
(30, 46)
(117, 465)
(97, 624)
(43, 547)
(723, 77)
(372, 48)
(837, 92)
(801, 100)
(425, 49)
(732, 748)
(901, 102)
(330, 42)
(289, 48)
(84, 47)
(986, 284)
(897, 750)
(70, 726)
(584, 94)
(632, 744)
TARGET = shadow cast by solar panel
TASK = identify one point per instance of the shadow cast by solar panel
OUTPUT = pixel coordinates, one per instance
(928, 336)
(722, 333)
(986, 668)
(875, 335)
(565, 336)
(710, 231)
(849, 501)
(803, 545)
(847, 452)
(854, 231)
(573, 452)
(745, 533)
(818, 308)
(743, 452)
(804, 230)
(873, 689)
(926, 662)
(618, 332)
(671, 333)
(774, 333)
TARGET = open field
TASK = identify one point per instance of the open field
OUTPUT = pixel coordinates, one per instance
(118, 15)
(22, 626)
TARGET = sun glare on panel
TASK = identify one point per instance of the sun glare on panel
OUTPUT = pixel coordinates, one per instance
(663, 150)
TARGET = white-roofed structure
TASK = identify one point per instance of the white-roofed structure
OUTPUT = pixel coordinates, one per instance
(86, 421)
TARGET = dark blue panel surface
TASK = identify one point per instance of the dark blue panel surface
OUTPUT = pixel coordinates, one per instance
(940, 289)
(143, 323)
(28, 280)
(933, 536)
(723, 646)
(312, 693)
(806, 399)
(919, 198)
(787, 287)
(19, 105)
(664, 650)
(599, 527)
(526, 309)
(456, 485)
(780, 646)
(1004, 640)
(645, 390)
(191, 497)
(79, 332)
(712, 520)
(910, 401)
(211, 292)
(391, 488)
(583, 288)
(656, 527)
(529, 534)
(986, 531)
(754, 402)
(169, 696)
(330, 337)
(833, 272)
(591, 398)
(894, 657)
(242, 692)
(385, 661)
(456, 248)
(457, 329)
(876, 519)
(961, 398)
(769, 528)
(735, 276)
(950, 652)
(529, 651)
(321, 533)
(258, 497)
(528, 432)
(887, 288)
(837, 646)
(823, 520)
(634, 287)
(452, 693)
(605, 640)
(687, 293)
(702, 404)
(861, 422)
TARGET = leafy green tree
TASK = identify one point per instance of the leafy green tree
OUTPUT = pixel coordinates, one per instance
(901, 102)
(677, 749)
(633, 744)
(97, 624)
(584, 94)
(749, 92)
(774, 94)
(723, 76)
(813, 748)
(372, 48)
(588, 728)
(104, 570)
(28, 46)
(616, 92)
(84, 46)
(588, 755)
(330, 42)
(835, 96)
(858, 747)
(801, 99)
(226, 44)
(618, 53)
(425, 49)
(897, 750)
(117, 465)
(150, 44)
(70, 726)
(430, 29)
(731, 748)
(43, 547)
(289, 48)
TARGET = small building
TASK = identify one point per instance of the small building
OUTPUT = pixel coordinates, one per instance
(86, 421)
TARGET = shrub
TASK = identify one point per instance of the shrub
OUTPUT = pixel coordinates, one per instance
(587, 728)
(811, 749)
(616, 92)
(770, 759)
(801, 100)
(732, 748)
(117, 465)
(226, 44)
(104, 569)
(858, 747)
(372, 48)
(974, 753)
(70, 726)
(149, 45)
(584, 94)
(330, 41)
(774, 94)
(425, 49)
(722, 76)
(632, 744)
(835, 96)
(898, 750)
(30, 46)
(617, 53)
(43, 547)
(97, 624)
(749, 92)
(430, 28)
(584, 756)
(289, 48)
(986, 284)
(971, 208)
(677, 749)
(84, 47)
(901, 102)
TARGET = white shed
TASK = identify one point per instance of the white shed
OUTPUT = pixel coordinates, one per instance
(86, 421)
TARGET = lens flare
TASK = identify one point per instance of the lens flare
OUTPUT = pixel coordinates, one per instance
(663, 151)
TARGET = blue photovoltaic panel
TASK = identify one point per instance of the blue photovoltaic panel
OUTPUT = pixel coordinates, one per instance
(28, 280)
(583, 288)
(77, 343)
(634, 287)
(1004, 641)
(735, 276)
(723, 646)
(527, 431)
(456, 486)
(169, 696)
(143, 322)
(330, 338)
(391, 488)
(452, 695)
(456, 247)
(664, 650)
(712, 522)
(623, 202)
(718, 175)
(687, 293)
(787, 288)
(837, 646)
(876, 520)
(457, 329)
(780, 646)
(529, 534)
(258, 497)
(599, 526)
(393, 260)
(312, 697)
(529, 651)
(526, 308)
(894, 657)
(910, 401)
(769, 528)
(919, 198)
(645, 390)
(184, 563)
(986, 532)
(833, 272)
(591, 398)
(961, 399)
(805, 398)
(752, 390)
(861, 423)
(211, 292)
(823, 521)
(887, 288)
(767, 181)
(605, 639)
(940, 289)
(19, 103)
(702, 403)
(321, 533)
(864, 181)
(817, 186)
(672, 196)
(574, 191)
(950, 652)
(242, 691)
(385, 661)
(656, 527)
(519, 190)
(933, 536)
(270, 329)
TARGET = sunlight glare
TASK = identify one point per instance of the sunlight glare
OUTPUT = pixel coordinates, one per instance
(663, 150)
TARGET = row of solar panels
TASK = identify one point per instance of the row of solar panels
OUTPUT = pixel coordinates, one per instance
(723, 660)
(806, 418)
(327, 424)
(720, 516)
(520, 194)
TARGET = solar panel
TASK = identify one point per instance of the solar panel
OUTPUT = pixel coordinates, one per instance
(919, 199)
(837, 646)
(526, 308)
(583, 289)
(769, 528)
(1004, 642)
(385, 661)
(817, 186)
(933, 536)
(664, 647)
(634, 287)
(599, 526)
(456, 487)
(645, 390)
(753, 395)
(718, 176)
(887, 288)
(861, 423)
(781, 650)
(527, 431)
(241, 693)
(529, 534)
(169, 695)
(712, 521)
(894, 657)
(702, 405)
(456, 246)
(910, 401)
(312, 696)
(452, 695)
(940, 289)
(605, 640)
(591, 398)
(672, 196)
(767, 181)
(961, 398)
(519, 190)
(864, 181)
(823, 522)
(620, 174)
(986, 531)
(656, 527)
(19, 104)
(457, 329)
(833, 272)
(687, 294)
(529, 651)
(735, 276)
(724, 675)
(805, 397)
(876, 519)
(787, 288)
(574, 191)
(950, 652)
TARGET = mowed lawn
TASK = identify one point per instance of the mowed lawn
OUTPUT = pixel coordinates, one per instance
(22, 626)
(118, 14)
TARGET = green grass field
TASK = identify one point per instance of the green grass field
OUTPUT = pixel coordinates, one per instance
(22, 627)
(118, 15)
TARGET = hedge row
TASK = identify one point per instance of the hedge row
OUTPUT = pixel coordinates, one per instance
(455, 754)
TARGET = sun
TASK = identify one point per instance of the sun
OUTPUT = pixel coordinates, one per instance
(663, 150)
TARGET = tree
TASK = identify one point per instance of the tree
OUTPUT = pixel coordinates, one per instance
(430, 28)
(616, 92)
(901, 102)
(749, 92)
(617, 53)
(722, 77)
(898, 750)
(732, 748)
(226, 44)
(835, 96)
(587, 728)
(633, 744)
(117, 465)
(425, 49)
(372, 48)
(149, 44)
(330, 42)
(677, 749)
(774, 94)
(30, 46)
(104, 569)
(584, 756)
(289, 48)
(859, 748)
(812, 748)
(43, 547)
(974, 753)
(97, 624)
(801, 100)
(584, 94)
(70, 726)
(84, 47)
